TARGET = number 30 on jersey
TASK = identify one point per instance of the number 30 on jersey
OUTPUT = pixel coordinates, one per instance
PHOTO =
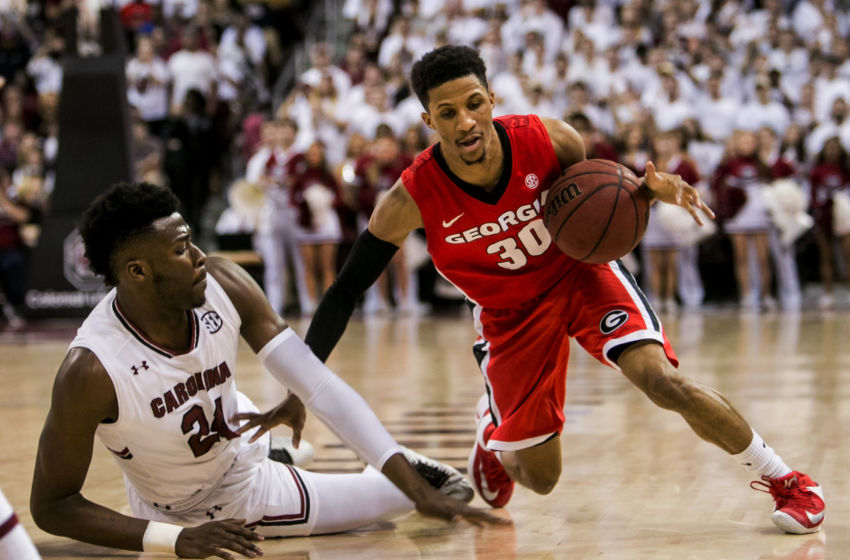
(532, 240)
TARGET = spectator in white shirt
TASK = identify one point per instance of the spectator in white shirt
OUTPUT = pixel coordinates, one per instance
(807, 17)
(247, 36)
(580, 102)
(789, 57)
(275, 235)
(670, 109)
(366, 118)
(183, 9)
(508, 86)
(764, 111)
(147, 84)
(533, 15)
(322, 59)
(586, 67)
(534, 62)
(829, 127)
(192, 68)
(716, 113)
(402, 38)
(462, 28)
(829, 85)
(803, 112)
(45, 67)
(491, 50)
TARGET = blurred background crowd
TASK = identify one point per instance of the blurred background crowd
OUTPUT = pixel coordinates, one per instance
(280, 123)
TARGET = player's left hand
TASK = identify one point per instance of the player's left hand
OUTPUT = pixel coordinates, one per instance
(671, 189)
(290, 412)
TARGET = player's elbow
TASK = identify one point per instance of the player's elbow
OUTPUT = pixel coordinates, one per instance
(47, 513)
(42, 515)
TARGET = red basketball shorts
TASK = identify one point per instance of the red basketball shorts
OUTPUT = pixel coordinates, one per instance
(523, 351)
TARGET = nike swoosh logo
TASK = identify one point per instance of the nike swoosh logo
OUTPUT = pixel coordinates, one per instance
(453, 220)
(815, 519)
(489, 495)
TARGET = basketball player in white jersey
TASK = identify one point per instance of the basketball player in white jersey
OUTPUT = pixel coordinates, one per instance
(15, 543)
(152, 374)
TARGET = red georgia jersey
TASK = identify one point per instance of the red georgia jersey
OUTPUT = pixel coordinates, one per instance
(493, 245)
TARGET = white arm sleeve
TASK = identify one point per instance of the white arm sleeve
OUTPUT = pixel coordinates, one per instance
(330, 398)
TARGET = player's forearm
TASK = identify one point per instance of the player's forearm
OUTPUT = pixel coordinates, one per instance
(401, 473)
(77, 518)
(327, 396)
(368, 258)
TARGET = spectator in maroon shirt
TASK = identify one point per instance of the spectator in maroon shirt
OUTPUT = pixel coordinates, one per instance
(13, 252)
(830, 174)
(316, 195)
(376, 172)
(738, 184)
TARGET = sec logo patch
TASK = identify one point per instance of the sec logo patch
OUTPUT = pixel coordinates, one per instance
(212, 321)
(612, 321)
(532, 181)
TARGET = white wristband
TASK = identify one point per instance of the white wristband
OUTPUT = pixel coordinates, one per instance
(160, 537)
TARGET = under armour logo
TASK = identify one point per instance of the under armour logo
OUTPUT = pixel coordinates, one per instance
(143, 366)
(212, 510)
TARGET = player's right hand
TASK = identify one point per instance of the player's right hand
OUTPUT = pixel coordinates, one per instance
(217, 538)
(290, 412)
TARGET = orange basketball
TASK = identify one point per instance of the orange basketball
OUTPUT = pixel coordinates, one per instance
(595, 211)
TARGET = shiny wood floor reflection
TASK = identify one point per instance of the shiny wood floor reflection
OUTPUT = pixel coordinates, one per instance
(636, 483)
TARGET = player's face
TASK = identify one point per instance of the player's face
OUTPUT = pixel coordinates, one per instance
(461, 112)
(177, 267)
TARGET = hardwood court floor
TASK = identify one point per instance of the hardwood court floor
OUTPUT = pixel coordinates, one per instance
(637, 484)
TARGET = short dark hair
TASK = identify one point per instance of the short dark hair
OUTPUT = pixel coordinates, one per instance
(444, 64)
(119, 215)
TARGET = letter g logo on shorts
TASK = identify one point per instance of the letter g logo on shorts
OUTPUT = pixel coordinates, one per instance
(612, 321)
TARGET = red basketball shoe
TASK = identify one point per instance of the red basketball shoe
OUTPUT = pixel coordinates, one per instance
(486, 472)
(799, 502)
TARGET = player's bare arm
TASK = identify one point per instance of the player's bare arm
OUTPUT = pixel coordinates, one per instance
(83, 397)
(260, 325)
(566, 141)
(395, 215)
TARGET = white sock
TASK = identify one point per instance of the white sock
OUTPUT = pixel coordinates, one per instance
(762, 459)
(14, 540)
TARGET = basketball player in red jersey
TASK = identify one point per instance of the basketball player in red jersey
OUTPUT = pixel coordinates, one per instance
(478, 193)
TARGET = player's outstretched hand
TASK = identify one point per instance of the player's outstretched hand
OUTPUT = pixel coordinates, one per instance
(290, 412)
(436, 504)
(218, 538)
(670, 188)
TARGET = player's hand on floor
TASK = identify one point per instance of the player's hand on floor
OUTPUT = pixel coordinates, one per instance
(436, 504)
(671, 189)
(290, 412)
(218, 539)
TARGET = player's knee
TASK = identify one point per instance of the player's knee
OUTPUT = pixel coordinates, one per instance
(542, 481)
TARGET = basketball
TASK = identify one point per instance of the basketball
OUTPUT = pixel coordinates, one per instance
(595, 212)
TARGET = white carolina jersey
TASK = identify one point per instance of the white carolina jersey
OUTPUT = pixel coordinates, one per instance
(172, 438)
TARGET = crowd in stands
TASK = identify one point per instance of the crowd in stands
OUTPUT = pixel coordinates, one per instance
(746, 99)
